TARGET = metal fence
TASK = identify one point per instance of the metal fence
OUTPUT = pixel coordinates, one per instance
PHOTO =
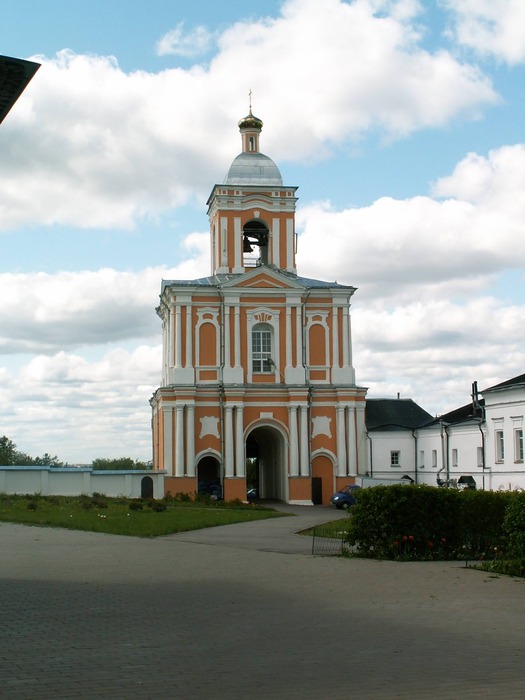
(330, 544)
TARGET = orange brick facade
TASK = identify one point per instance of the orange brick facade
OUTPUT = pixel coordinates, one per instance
(258, 387)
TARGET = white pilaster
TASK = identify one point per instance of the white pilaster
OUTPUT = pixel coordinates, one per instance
(178, 337)
(168, 439)
(294, 453)
(351, 441)
(341, 447)
(179, 440)
(240, 462)
(188, 360)
(190, 440)
(276, 243)
(228, 442)
(304, 466)
(288, 337)
(226, 321)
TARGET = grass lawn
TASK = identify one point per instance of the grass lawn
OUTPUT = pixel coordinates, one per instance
(119, 516)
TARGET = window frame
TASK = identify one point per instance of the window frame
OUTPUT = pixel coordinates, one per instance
(395, 458)
(499, 444)
(518, 445)
(262, 337)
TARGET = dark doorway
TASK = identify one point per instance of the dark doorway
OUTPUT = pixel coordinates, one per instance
(146, 487)
(209, 477)
(317, 490)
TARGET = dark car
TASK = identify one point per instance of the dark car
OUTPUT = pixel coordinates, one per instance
(252, 494)
(345, 498)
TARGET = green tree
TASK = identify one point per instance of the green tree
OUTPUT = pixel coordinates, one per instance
(124, 463)
(11, 457)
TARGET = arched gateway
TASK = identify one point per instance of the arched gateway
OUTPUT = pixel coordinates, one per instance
(257, 360)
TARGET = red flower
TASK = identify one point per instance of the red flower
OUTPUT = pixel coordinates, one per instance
(443, 539)
(396, 543)
(405, 538)
(431, 544)
(411, 537)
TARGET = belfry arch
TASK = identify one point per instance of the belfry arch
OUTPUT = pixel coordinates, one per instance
(266, 463)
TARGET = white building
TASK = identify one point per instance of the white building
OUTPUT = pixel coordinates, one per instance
(479, 445)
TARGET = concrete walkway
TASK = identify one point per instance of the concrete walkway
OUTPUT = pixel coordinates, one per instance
(86, 615)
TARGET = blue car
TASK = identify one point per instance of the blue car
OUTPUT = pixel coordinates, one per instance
(345, 498)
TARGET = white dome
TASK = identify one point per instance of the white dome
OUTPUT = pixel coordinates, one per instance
(253, 169)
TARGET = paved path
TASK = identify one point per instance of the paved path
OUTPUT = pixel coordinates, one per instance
(85, 615)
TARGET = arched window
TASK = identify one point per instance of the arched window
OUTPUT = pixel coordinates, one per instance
(262, 348)
(251, 146)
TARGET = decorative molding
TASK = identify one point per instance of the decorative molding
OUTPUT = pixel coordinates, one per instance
(209, 426)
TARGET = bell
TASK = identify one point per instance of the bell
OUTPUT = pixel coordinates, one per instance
(246, 247)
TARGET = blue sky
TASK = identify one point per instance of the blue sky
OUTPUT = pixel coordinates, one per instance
(401, 122)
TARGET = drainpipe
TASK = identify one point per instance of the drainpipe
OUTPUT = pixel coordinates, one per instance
(221, 386)
(415, 454)
(371, 470)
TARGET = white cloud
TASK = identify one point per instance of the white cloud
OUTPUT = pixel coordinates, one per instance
(69, 310)
(91, 409)
(490, 27)
(438, 247)
(178, 43)
(91, 146)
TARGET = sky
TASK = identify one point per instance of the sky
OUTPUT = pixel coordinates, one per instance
(401, 122)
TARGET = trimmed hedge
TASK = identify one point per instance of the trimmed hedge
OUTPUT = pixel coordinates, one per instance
(424, 522)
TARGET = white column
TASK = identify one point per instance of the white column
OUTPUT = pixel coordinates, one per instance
(341, 447)
(276, 243)
(346, 338)
(351, 441)
(228, 442)
(190, 440)
(299, 334)
(294, 456)
(304, 468)
(240, 462)
(335, 336)
(288, 336)
(179, 441)
(188, 361)
(168, 440)
(171, 337)
(226, 320)
(237, 334)
(178, 336)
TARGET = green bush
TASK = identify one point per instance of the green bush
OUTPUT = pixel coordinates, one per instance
(514, 525)
(425, 522)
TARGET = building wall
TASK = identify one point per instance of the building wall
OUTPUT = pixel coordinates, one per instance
(49, 481)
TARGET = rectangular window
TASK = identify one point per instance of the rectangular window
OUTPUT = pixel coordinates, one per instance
(454, 457)
(422, 459)
(394, 458)
(434, 458)
(518, 445)
(261, 351)
(500, 445)
(480, 456)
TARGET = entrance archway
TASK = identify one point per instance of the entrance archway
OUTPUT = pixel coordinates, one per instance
(266, 466)
(209, 477)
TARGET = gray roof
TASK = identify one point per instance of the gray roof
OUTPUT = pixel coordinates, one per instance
(395, 414)
(508, 383)
(219, 280)
(253, 169)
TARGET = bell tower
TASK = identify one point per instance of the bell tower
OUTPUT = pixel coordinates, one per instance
(252, 214)
(258, 391)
